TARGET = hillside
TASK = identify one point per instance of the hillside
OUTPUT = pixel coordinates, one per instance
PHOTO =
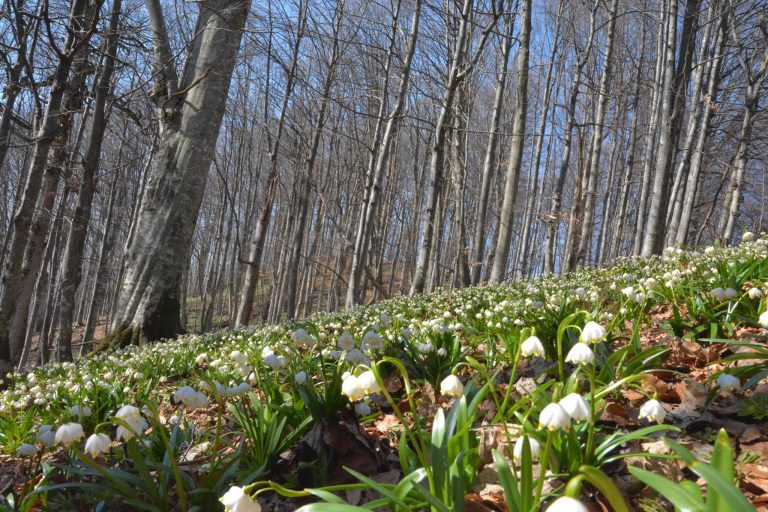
(636, 387)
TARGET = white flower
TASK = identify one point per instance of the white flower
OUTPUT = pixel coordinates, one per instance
(69, 433)
(26, 450)
(368, 382)
(517, 452)
(301, 378)
(355, 356)
(730, 293)
(442, 352)
(580, 354)
(576, 407)
(709, 250)
(719, 294)
(426, 348)
(273, 361)
(236, 500)
(748, 236)
(728, 382)
(653, 411)
(352, 388)
(362, 409)
(46, 435)
(302, 338)
(197, 401)
(451, 386)
(97, 444)
(346, 342)
(239, 390)
(184, 394)
(134, 422)
(566, 504)
(532, 347)
(592, 333)
(80, 411)
(554, 417)
(754, 293)
(372, 341)
(239, 358)
(763, 320)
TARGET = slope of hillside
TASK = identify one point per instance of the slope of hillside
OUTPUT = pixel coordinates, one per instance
(451, 401)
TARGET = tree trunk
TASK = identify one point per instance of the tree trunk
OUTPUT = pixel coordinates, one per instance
(147, 305)
(460, 67)
(651, 136)
(78, 34)
(533, 192)
(107, 242)
(507, 214)
(370, 206)
(694, 120)
(582, 242)
(256, 251)
(673, 105)
(557, 196)
(71, 268)
(479, 238)
(691, 186)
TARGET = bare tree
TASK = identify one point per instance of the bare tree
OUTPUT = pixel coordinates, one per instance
(147, 305)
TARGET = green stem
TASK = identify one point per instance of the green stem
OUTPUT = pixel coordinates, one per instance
(511, 385)
(543, 462)
(591, 427)
(418, 448)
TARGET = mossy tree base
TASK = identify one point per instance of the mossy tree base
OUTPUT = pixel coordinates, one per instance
(163, 323)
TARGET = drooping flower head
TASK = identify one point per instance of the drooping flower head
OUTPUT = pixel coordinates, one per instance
(68, 433)
(451, 386)
(532, 346)
(236, 500)
(652, 410)
(593, 332)
(580, 353)
(554, 417)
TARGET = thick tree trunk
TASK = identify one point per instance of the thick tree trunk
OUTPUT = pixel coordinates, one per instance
(147, 305)
(507, 214)
(694, 120)
(652, 135)
(480, 237)
(78, 35)
(676, 79)
(692, 183)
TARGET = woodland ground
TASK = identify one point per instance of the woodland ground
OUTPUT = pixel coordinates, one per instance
(668, 336)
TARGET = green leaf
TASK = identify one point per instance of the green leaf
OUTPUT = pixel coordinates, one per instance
(726, 490)
(439, 456)
(722, 461)
(508, 482)
(679, 496)
(331, 507)
(381, 489)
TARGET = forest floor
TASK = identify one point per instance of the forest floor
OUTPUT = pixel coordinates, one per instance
(254, 421)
